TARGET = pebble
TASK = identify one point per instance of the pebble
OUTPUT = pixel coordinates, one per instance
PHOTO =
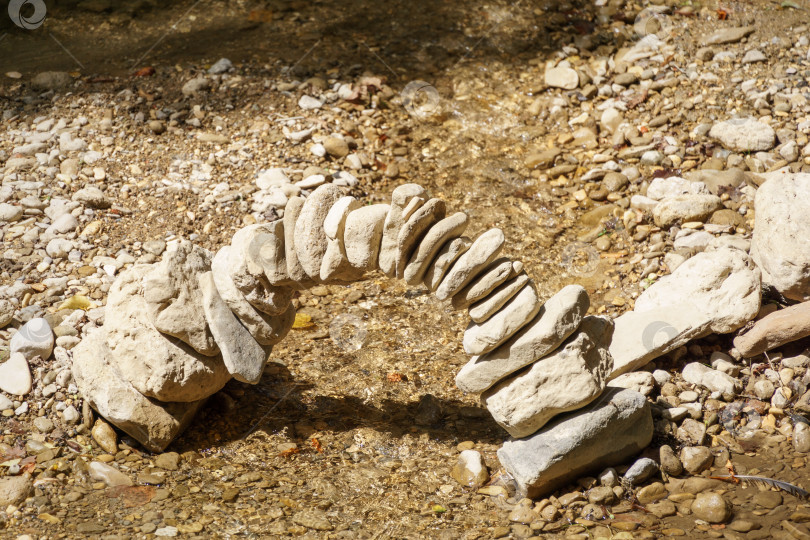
(470, 470)
(336, 146)
(696, 459)
(15, 375)
(193, 86)
(640, 471)
(801, 437)
(309, 103)
(108, 474)
(33, 339)
(562, 77)
(43, 424)
(711, 507)
(744, 135)
(105, 436)
(670, 463)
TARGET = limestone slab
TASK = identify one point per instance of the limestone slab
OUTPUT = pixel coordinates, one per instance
(557, 319)
(404, 201)
(566, 380)
(482, 252)
(514, 315)
(414, 229)
(610, 430)
(244, 358)
(439, 234)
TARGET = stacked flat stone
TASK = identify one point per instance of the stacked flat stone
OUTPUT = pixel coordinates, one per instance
(176, 331)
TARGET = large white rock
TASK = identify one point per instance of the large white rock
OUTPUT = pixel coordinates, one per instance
(724, 283)
(781, 240)
(484, 337)
(151, 422)
(157, 365)
(15, 375)
(243, 356)
(557, 319)
(266, 329)
(566, 380)
(172, 296)
(640, 337)
(405, 200)
(744, 135)
(712, 292)
(34, 338)
(362, 236)
(310, 237)
(609, 431)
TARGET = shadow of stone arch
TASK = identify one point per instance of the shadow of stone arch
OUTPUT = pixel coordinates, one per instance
(279, 403)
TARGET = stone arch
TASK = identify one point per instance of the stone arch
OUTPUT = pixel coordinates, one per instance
(177, 330)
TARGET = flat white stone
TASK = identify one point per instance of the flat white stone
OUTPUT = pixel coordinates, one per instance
(482, 252)
(243, 356)
(488, 306)
(335, 265)
(558, 318)
(451, 251)
(498, 272)
(362, 236)
(484, 337)
(294, 269)
(438, 235)
(404, 201)
(310, 237)
(413, 230)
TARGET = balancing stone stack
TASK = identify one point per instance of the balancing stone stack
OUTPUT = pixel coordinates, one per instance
(176, 331)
